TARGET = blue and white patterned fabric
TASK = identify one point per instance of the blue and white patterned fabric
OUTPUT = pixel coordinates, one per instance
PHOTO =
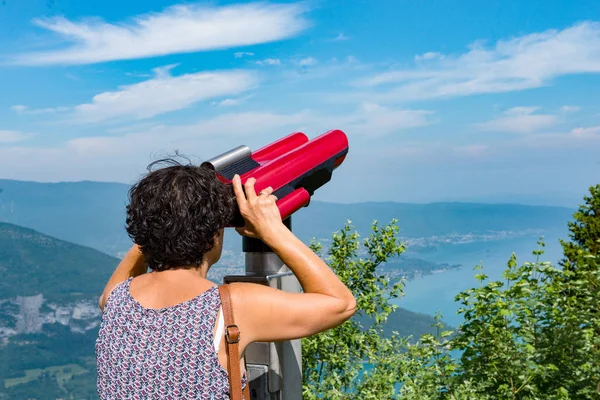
(164, 353)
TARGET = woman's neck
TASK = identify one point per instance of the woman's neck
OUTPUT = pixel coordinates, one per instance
(183, 271)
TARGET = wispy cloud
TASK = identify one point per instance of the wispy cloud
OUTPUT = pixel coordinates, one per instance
(161, 94)
(241, 54)
(121, 157)
(519, 120)
(375, 120)
(231, 102)
(269, 61)
(178, 29)
(569, 109)
(369, 120)
(164, 93)
(586, 133)
(580, 138)
(305, 62)
(24, 110)
(11, 136)
(339, 38)
(19, 108)
(525, 62)
(206, 134)
(430, 55)
(123, 153)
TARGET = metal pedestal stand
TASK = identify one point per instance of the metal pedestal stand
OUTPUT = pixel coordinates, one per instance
(274, 369)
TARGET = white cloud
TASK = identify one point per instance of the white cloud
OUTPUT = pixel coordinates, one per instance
(428, 56)
(307, 61)
(161, 94)
(586, 133)
(11, 136)
(568, 109)
(203, 139)
(374, 120)
(269, 61)
(519, 120)
(121, 158)
(525, 62)
(231, 102)
(340, 37)
(578, 138)
(21, 109)
(241, 54)
(178, 29)
(122, 154)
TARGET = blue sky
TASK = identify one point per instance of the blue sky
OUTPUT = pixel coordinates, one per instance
(441, 100)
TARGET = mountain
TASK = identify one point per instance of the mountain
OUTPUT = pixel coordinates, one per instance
(48, 281)
(33, 263)
(49, 313)
(49, 316)
(87, 213)
(407, 323)
(93, 214)
(434, 219)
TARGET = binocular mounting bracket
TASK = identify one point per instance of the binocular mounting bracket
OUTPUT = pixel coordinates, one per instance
(274, 369)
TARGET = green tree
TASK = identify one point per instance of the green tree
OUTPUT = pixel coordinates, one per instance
(533, 335)
(584, 231)
(336, 362)
(356, 359)
(537, 334)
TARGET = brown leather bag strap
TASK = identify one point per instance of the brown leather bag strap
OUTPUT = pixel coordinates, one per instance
(232, 339)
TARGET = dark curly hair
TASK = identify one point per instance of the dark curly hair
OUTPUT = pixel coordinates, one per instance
(175, 212)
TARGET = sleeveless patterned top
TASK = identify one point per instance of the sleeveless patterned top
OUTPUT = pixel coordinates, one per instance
(166, 353)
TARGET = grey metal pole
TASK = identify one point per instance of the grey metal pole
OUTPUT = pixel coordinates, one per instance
(274, 369)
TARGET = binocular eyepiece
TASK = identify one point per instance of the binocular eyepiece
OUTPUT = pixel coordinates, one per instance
(294, 166)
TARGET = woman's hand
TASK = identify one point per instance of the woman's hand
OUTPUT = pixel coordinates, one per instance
(260, 212)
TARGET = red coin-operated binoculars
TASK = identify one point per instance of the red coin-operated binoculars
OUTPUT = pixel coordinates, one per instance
(295, 167)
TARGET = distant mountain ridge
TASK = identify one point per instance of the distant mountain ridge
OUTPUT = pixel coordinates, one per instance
(86, 213)
(93, 214)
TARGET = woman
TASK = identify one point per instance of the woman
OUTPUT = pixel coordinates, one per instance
(161, 334)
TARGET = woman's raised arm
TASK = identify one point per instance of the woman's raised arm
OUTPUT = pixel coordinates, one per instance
(132, 265)
(267, 314)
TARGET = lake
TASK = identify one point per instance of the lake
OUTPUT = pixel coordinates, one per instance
(433, 293)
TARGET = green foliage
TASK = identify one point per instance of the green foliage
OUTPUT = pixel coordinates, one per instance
(527, 338)
(534, 335)
(585, 230)
(334, 361)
